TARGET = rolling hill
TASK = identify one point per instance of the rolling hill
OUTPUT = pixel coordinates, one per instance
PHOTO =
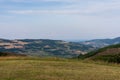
(109, 54)
(44, 47)
(57, 48)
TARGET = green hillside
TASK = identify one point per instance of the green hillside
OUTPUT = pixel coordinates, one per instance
(109, 54)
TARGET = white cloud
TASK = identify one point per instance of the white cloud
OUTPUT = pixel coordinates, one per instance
(75, 9)
(41, 0)
(103, 7)
(92, 7)
(45, 12)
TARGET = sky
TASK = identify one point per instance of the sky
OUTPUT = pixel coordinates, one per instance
(59, 19)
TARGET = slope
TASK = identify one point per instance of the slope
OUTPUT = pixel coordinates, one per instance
(109, 54)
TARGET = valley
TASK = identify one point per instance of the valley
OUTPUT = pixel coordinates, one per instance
(43, 59)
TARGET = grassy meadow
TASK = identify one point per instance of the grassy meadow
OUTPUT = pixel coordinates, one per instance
(26, 68)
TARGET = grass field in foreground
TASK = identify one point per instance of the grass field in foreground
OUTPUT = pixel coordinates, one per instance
(13, 68)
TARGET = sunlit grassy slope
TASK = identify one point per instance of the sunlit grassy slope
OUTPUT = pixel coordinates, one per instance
(23, 68)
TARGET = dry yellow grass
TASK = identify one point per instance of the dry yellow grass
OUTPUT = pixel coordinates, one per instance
(21, 68)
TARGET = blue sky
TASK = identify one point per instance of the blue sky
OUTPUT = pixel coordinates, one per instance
(59, 19)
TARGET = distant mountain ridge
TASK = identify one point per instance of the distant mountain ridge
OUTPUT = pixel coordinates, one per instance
(44, 47)
(58, 48)
(99, 43)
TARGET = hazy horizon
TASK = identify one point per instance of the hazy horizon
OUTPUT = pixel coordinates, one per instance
(59, 19)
